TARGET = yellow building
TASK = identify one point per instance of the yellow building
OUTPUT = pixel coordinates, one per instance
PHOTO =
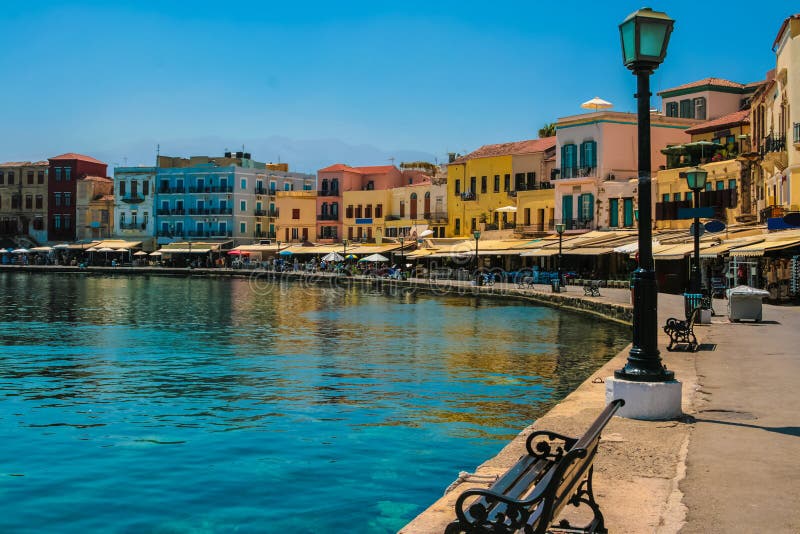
(418, 208)
(23, 199)
(490, 178)
(365, 214)
(94, 207)
(721, 147)
(297, 216)
(535, 211)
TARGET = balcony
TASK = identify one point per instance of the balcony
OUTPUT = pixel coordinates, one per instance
(261, 191)
(328, 217)
(721, 200)
(575, 224)
(773, 143)
(171, 190)
(260, 213)
(132, 199)
(132, 226)
(468, 195)
(796, 129)
(771, 212)
(435, 216)
(328, 193)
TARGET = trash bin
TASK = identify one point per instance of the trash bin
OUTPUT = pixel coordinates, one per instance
(555, 285)
(691, 301)
(744, 302)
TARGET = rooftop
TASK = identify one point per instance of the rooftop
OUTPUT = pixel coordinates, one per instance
(505, 149)
(97, 179)
(732, 119)
(708, 84)
(74, 156)
(341, 167)
(24, 164)
(783, 29)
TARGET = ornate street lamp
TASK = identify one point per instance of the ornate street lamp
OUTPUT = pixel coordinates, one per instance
(560, 227)
(402, 254)
(644, 35)
(696, 179)
(477, 235)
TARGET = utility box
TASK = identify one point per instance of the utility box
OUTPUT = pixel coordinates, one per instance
(744, 302)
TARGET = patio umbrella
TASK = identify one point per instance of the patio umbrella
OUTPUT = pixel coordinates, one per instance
(21, 251)
(105, 250)
(426, 233)
(703, 145)
(507, 209)
(374, 258)
(140, 253)
(156, 253)
(596, 103)
(3, 251)
(286, 253)
(332, 256)
(351, 257)
(238, 253)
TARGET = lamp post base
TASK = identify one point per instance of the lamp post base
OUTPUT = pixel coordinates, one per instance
(647, 401)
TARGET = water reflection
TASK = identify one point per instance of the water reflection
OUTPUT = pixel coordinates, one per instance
(251, 396)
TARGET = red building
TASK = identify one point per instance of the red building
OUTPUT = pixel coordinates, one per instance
(64, 172)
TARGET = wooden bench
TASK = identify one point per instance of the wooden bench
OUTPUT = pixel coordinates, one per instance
(591, 288)
(682, 331)
(556, 471)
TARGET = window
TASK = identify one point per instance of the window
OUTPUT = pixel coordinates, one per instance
(700, 108)
(28, 202)
(57, 222)
(359, 212)
(242, 228)
(122, 188)
(569, 161)
(496, 183)
(672, 109)
(243, 183)
(708, 186)
(335, 209)
(368, 211)
(58, 174)
(483, 184)
(10, 177)
(39, 202)
(627, 212)
(506, 182)
(67, 173)
(665, 197)
(287, 186)
(242, 205)
(379, 211)
(58, 199)
(30, 177)
(402, 208)
(519, 181)
(2, 178)
(613, 212)
(473, 224)
(688, 195)
(40, 177)
(589, 154)
(15, 201)
(586, 207)
(295, 213)
(720, 185)
(458, 227)
(676, 197)
(67, 221)
(473, 184)
(731, 184)
(687, 109)
(531, 178)
(349, 211)
(145, 188)
(295, 233)
(458, 186)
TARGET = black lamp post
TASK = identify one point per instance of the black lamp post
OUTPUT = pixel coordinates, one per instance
(696, 180)
(477, 235)
(402, 254)
(560, 231)
(644, 36)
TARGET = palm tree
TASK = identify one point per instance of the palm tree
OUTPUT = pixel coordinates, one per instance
(548, 130)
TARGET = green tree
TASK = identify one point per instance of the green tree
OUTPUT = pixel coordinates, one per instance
(548, 130)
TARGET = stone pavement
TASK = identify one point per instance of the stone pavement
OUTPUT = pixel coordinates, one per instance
(725, 466)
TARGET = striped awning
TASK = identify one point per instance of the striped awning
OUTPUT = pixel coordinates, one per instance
(759, 249)
(722, 248)
(589, 251)
(540, 253)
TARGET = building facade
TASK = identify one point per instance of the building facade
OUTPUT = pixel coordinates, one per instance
(706, 99)
(491, 177)
(296, 216)
(63, 174)
(596, 179)
(94, 208)
(417, 208)
(135, 192)
(23, 199)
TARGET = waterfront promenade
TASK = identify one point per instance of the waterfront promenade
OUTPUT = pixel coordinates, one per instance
(728, 465)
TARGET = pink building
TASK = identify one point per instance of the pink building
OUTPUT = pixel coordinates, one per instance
(335, 180)
(596, 179)
(706, 99)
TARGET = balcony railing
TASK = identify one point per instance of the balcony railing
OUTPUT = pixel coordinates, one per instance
(260, 213)
(132, 226)
(720, 199)
(574, 224)
(531, 187)
(261, 190)
(328, 217)
(771, 212)
(468, 195)
(133, 199)
(211, 211)
(796, 129)
(773, 143)
(171, 190)
(435, 216)
(328, 193)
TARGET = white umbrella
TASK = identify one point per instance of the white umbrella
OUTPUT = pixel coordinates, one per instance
(507, 209)
(332, 256)
(21, 251)
(104, 249)
(122, 250)
(3, 251)
(91, 249)
(374, 258)
(140, 253)
(156, 253)
(596, 103)
(61, 245)
(426, 233)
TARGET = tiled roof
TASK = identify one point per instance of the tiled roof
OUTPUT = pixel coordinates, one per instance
(97, 179)
(719, 82)
(24, 164)
(505, 149)
(337, 168)
(783, 29)
(81, 157)
(107, 198)
(731, 119)
(341, 167)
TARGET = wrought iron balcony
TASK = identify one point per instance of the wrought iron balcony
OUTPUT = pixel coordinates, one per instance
(468, 195)
(328, 217)
(132, 226)
(773, 143)
(328, 193)
(261, 190)
(132, 199)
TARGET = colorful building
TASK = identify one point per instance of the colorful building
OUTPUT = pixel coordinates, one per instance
(23, 199)
(596, 180)
(336, 179)
(134, 203)
(94, 207)
(490, 178)
(706, 99)
(417, 208)
(63, 174)
(296, 216)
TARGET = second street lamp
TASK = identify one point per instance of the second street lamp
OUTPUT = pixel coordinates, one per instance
(560, 230)
(477, 235)
(696, 180)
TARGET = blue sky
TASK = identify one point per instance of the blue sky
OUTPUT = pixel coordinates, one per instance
(314, 83)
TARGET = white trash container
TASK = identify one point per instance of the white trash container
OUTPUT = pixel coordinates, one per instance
(744, 302)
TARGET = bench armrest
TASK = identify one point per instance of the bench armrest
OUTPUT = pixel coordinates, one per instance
(544, 449)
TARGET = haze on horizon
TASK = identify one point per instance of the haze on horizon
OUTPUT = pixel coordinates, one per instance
(316, 83)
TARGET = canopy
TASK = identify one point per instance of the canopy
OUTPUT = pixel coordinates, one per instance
(3, 251)
(507, 209)
(332, 256)
(375, 258)
(21, 251)
(140, 253)
(61, 245)
(41, 249)
(156, 253)
(105, 249)
(596, 103)
(238, 253)
(759, 249)
(285, 253)
(540, 252)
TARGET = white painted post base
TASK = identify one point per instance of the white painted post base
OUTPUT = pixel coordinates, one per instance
(705, 317)
(649, 401)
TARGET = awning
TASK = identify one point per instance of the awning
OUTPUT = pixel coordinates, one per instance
(421, 253)
(193, 250)
(589, 251)
(765, 246)
(540, 253)
(722, 248)
(498, 252)
(674, 252)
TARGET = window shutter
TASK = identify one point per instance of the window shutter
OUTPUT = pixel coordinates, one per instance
(590, 215)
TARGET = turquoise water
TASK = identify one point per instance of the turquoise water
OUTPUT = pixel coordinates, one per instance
(196, 405)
